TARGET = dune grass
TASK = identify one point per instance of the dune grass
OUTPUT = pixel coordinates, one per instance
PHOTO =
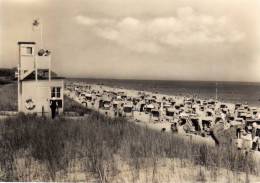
(95, 141)
(72, 106)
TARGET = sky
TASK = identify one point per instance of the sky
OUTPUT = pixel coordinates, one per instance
(139, 39)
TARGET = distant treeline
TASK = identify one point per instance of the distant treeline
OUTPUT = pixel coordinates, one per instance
(6, 72)
(7, 75)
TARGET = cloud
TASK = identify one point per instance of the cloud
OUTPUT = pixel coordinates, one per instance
(187, 28)
(86, 20)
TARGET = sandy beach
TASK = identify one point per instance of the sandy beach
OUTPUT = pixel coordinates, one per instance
(144, 119)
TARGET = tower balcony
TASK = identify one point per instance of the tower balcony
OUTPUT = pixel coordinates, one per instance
(43, 62)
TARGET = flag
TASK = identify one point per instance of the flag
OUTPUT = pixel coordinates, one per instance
(35, 24)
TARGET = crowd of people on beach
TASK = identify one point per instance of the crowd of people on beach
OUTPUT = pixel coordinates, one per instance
(182, 114)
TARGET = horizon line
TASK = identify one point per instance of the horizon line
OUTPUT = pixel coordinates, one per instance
(184, 80)
(144, 79)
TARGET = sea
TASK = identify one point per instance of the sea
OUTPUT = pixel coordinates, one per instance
(231, 92)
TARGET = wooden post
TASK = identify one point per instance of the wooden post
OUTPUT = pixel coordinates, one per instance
(42, 111)
(36, 68)
(18, 89)
(50, 68)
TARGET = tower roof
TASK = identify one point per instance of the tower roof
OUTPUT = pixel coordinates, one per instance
(26, 42)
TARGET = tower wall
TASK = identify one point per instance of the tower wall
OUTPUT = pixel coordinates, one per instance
(26, 57)
(36, 95)
(35, 90)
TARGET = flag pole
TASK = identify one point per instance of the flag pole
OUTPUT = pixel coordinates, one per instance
(41, 29)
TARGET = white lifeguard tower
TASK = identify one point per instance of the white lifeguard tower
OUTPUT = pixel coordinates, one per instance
(37, 85)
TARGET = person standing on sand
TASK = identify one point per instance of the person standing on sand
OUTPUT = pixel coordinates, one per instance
(53, 106)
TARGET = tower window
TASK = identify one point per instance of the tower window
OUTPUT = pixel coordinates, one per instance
(58, 92)
(55, 92)
(27, 50)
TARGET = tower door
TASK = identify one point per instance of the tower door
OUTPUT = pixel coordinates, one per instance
(43, 99)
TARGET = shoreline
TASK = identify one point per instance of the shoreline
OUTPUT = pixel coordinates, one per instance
(228, 92)
(135, 91)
